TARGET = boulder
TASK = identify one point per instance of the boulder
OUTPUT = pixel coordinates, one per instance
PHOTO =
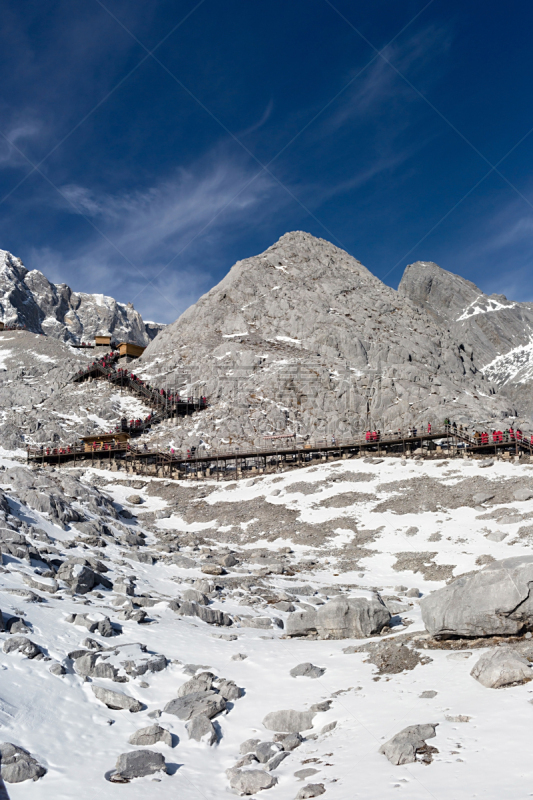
(352, 618)
(496, 601)
(139, 763)
(523, 494)
(18, 764)
(208, 703)
(19, 644)
(134, 499)
(229, 690)
(290, 742)
(502, 666)
(289, 721)
(200, 683)
(201, 729)
(250, 781)
(307, 670)
(81, 579)
(341, 618)
(404, 747)
(116, 700)
(210, 615)
(151, 735)
(311, 790)
(266, 750)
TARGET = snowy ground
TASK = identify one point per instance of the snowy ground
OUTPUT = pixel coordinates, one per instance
(350, 526)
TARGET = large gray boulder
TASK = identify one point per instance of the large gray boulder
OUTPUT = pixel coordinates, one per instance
(341, 618)
(404, 747)
(502, 666)
(139, 763)
(116, 700)
(289, 721)
(19, 644)
(250, 781)
(18, 764)
(201, 729)
(210, 615)
(151, 735)
(496, 601)
(208, 703)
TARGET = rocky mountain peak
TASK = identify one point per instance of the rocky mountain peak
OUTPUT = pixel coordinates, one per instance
(442, 294)
(28, 298)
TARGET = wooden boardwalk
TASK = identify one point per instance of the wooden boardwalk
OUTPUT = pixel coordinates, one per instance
(244, 461)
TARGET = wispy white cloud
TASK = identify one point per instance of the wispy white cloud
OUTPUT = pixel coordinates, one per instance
(158, 245)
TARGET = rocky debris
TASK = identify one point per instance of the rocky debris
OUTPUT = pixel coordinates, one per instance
(210, 615)
(208, 703)
(95, 622)
(494, 601)
(57, 669)
(201, 729)
(409, 745)
(429, 694)
(289, 721)
(138, 763)
(117, 662)
(311, 790)
(135, 499)
(116, 700)
(19, 644)
(18, 765)
(151, 735)
(341, 618)
(229, 690)
(250, 781)
(307, 670)
(390, 657)
(502, 666)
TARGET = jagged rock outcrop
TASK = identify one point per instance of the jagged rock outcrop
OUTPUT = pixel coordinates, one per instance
(496, 333)
(304, 339)
(28, 298)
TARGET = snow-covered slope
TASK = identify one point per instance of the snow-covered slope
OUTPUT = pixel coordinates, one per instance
(28, 298)
(297, 540)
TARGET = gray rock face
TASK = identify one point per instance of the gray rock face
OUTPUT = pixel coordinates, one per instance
(116, 700)
(295, 315)
(289, 721)
(201, 729)
(208, 703)
(405, 745)
(80, 579)
(500, 667)
(493, 330)
(29, 299)
(139, 763)
(494, 602)
(200, 683)
(266, 750)
(18, 764)
(250, 781)
(150, 735)
(307, 670)
(341, 618)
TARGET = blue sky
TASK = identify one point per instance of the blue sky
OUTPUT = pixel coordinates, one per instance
(146, 147)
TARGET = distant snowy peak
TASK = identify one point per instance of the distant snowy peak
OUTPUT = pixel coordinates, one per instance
(28, 298)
